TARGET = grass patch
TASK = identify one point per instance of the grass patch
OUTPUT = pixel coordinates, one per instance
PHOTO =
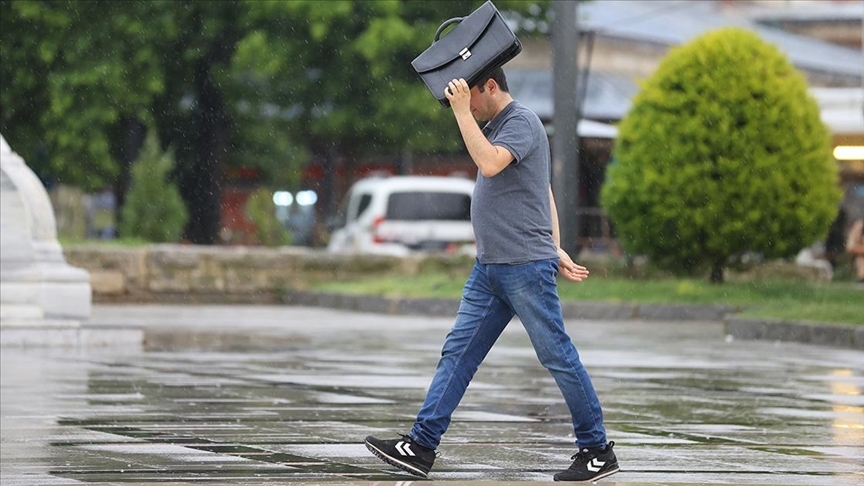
(771, 299)
(817, 311)
(123, 242)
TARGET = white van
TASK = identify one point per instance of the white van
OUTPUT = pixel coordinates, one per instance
(398, 215)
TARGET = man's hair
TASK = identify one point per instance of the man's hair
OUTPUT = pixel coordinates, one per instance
(498, 75)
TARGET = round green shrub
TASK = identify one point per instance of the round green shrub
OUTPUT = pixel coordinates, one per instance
(723, 157)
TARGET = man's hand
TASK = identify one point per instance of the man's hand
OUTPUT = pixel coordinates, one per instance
(459, 95)
(570, 269)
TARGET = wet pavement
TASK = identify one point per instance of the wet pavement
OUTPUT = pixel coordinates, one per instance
(264, 395)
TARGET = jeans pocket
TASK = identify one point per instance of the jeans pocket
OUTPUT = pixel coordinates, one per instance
(513, 277)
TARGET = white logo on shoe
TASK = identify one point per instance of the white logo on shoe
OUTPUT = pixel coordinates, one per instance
(595, 465)
(404, 448)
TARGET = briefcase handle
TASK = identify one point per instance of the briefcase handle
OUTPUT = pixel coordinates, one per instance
(454, 20)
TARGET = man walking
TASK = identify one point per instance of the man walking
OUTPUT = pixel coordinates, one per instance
(518, 258)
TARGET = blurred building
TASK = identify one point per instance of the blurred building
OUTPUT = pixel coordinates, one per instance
(835, 21)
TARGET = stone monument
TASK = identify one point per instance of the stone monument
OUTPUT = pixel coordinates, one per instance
(38, 289)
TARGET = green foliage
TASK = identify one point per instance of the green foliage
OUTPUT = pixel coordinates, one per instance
(153, 209)
(260, 209)
(70, 71)
(262, 84)
(723, 155)
(341, 71)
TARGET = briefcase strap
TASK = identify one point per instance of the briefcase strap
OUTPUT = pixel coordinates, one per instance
(454, 20)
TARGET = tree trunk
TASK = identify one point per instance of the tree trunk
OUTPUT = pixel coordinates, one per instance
(327, 192)
(717, 273)
(131, 133)
(202, 181)
(405, 164)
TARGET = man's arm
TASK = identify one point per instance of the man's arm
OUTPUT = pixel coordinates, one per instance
(566, 266)
(855, 240)
(490, 159)
(556, 231)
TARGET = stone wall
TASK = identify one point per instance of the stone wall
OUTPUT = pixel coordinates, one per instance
(217, 274)
(248, 274)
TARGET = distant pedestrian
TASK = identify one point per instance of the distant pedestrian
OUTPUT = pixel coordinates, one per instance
(518, 258)
(855, 247)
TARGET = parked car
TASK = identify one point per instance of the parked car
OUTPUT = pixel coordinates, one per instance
(398, 215)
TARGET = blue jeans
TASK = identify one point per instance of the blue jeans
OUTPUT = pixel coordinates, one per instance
(492, 295)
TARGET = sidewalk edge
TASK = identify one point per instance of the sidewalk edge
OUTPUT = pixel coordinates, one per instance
(835, 335)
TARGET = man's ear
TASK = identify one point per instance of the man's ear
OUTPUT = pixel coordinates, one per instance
(491, 85)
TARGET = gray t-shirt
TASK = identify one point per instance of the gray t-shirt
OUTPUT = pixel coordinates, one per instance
(510, 211)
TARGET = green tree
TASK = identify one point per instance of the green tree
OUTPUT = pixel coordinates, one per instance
(82, 79)
(153, 209)
(70, 83)
(723, 154)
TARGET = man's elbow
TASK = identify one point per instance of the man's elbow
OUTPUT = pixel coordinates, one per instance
(489, 171)
(492, 168)
(491, 164)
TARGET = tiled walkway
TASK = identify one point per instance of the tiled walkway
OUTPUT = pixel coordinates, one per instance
(258, 395)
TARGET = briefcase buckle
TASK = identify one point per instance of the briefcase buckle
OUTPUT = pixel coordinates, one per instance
(465, 53)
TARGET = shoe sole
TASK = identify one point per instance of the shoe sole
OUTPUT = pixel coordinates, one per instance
(607, 474)
(395, 462)
(592, 480)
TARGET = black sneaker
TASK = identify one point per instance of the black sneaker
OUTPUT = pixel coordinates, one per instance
(403, 453)
(590, 465)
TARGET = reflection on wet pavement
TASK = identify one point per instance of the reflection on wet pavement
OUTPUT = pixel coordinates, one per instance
(275, 394)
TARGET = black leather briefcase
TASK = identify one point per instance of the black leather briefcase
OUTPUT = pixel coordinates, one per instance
(479, 43)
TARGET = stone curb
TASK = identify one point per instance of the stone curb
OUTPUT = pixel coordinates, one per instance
(738, 328)
(800, 332)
